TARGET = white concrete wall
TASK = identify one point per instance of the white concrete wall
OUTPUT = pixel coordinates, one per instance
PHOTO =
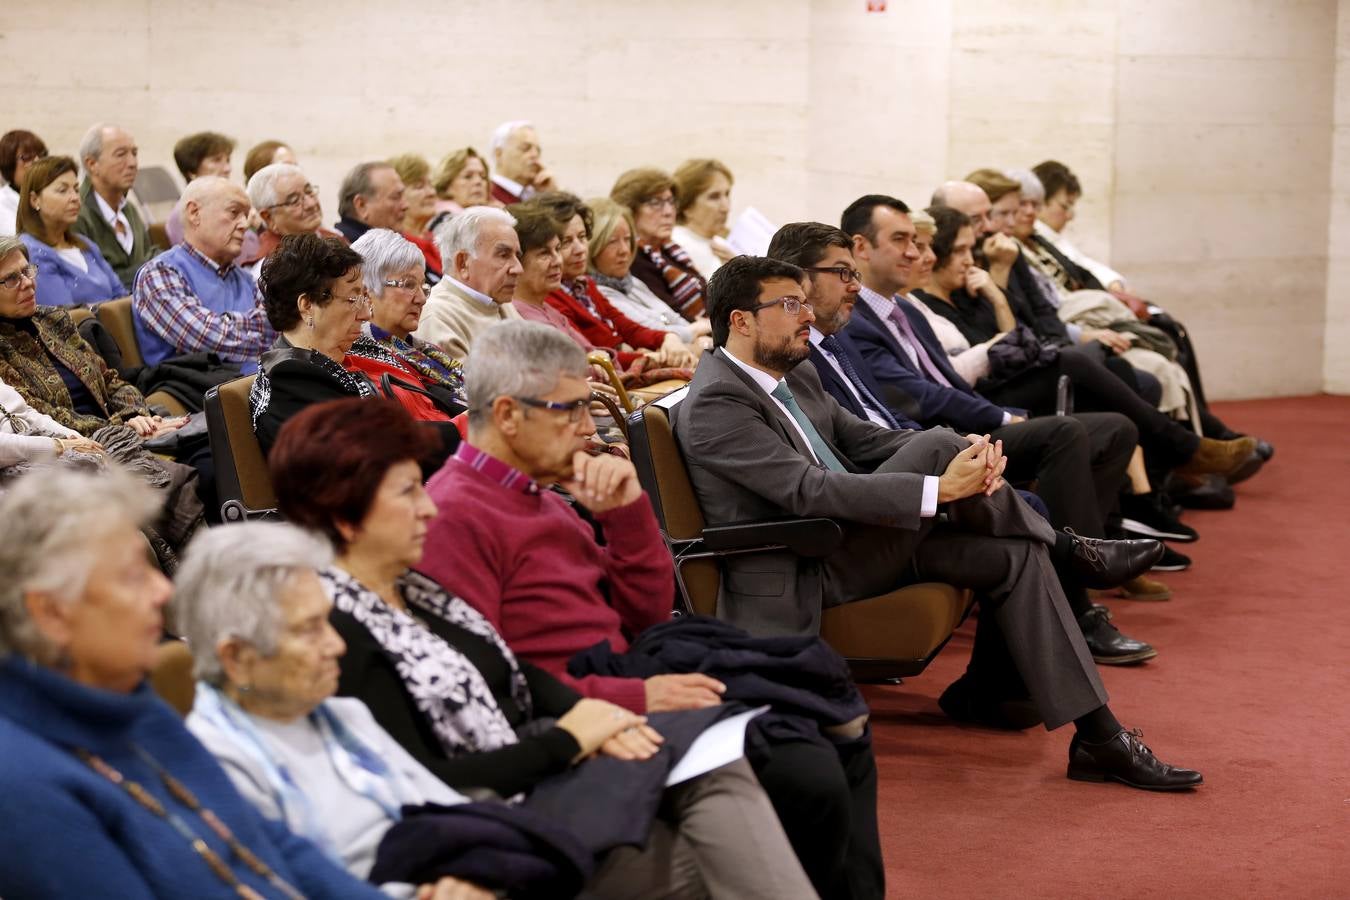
(1202, 129)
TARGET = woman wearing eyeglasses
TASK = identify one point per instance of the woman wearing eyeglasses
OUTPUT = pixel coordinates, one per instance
(315, 297)
(661, 264)
(19, 149)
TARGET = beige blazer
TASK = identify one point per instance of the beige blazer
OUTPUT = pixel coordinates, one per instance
(452, 320)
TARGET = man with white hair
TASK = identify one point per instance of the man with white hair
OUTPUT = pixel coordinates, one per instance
(287, 203)
(517, 172)
(109, 156)
(194, 298)
(482, 262)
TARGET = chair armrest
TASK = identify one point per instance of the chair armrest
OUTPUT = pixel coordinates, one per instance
(806, 537)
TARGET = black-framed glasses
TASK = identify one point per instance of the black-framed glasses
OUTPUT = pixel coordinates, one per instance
(574, 408)
(844, 272)
(11, 281)
(791, 305)
(408, 284)
(310, 191)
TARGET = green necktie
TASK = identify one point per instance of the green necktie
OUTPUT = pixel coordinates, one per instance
(822, 449)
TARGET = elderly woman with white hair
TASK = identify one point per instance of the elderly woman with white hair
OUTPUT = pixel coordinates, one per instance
(265, 659)
(394, 272)
(110, 794)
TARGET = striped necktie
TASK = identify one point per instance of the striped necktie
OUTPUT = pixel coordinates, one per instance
(836, 349)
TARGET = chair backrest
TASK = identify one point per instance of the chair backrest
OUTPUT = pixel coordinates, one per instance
(116, 317)
(79, 314)
(156, 191)
(661, 469)
(172, 676)
(242, 480)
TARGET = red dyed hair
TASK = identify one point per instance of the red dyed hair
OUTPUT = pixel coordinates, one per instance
(329, 459)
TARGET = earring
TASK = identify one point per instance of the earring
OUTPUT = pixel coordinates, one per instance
(310, 321)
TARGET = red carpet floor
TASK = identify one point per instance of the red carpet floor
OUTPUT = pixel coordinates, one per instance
(1251, 686)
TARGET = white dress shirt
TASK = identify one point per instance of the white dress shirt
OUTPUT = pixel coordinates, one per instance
(113, 217)
(524, 192)
(767, 383)
(471, 293)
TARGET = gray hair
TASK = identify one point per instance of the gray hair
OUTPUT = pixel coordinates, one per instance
(357, 184)
(230, 584)
(92, 142)
(384, 252)
(11, 243)
(502, 133)
(262, 187)
(49, 520)
(462, 231)
(517, 359)
(1032, 189)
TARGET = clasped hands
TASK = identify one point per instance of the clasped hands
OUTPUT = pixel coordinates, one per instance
(978, 469)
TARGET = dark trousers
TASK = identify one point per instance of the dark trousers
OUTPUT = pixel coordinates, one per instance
(1166, 442)
(999, 547)
(826, 800)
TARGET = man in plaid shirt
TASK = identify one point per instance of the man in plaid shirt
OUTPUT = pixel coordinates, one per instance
(194, 298)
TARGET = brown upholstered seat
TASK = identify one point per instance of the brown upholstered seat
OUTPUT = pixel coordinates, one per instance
(242, 479)
(115, 315)
(172, 676)
(894, 634)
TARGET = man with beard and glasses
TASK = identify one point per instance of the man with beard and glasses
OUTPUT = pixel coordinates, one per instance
(763, 440)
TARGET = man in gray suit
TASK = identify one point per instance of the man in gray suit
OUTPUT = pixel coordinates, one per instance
(762, 439)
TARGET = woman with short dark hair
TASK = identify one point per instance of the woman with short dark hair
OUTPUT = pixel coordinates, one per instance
(19, 149)
(316, 299)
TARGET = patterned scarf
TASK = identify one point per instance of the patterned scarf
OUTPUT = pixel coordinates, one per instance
(430, 361)
(446, 687)
(686, 286)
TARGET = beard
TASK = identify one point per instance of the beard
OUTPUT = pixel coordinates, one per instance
(781, 357)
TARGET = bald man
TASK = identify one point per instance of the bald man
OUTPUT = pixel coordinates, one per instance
(194, 298)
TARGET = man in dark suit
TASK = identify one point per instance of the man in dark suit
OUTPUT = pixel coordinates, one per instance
(763, 439)
(1077, 463)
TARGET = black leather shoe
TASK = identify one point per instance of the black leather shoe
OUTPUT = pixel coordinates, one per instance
(1250, 466)
(1108, 645)
(1098, 563)
(1126, 759)
(1210, 492)
(964, 701)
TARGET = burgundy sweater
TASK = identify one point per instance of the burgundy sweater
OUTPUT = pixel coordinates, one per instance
(533, 568)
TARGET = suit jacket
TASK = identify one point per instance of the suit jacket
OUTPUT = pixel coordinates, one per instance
(838, 387)
(747, 463)
(92, 225)
(452, 319)
(905, 389)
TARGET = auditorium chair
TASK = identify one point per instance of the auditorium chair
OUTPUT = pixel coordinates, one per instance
(116, 317)
(242, 480)
(156, 192)
(171, 677)
(885, 637)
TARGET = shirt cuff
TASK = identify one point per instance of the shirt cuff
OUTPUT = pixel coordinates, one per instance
(1074, 331)
(1007, 418)
(928, 508)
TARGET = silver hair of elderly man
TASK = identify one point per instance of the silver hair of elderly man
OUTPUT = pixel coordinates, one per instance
(384, 254)
(49, 520)
(262, 187)
(230, 585)
(462, 231)
(517, 358)
(502, 133)
(1032, 189)
(91, 145)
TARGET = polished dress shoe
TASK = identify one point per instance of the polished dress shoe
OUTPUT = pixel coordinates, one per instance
(1108, 645)
(1126, 759)
(1098, 563)
(965, 701)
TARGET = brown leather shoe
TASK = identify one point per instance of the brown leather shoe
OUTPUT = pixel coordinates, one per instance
(1219, 457)
(1145, 588)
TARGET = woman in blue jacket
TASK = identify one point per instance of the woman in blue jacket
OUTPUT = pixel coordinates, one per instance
(72, 270)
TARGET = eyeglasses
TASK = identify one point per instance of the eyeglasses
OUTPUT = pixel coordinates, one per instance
(791, 305)
(310, 191)
(408, 284)
(11, 281)
(575, 409)
(659, 203)
(844, 272)
(356, 301)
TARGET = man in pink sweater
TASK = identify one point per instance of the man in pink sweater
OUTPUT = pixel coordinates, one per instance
(517, 552)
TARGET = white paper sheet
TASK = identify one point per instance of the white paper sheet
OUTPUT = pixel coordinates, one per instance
(721, 743)
(752, 233)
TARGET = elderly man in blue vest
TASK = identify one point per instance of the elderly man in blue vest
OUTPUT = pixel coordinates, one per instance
(194, 298)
